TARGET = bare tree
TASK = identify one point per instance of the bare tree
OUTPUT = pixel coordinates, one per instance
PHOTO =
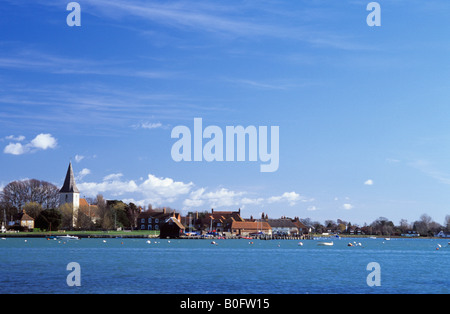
(18, 193)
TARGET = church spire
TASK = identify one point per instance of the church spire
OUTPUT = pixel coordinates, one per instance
(69, 183)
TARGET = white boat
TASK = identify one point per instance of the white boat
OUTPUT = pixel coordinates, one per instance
(68, 237)
(387, 239)
(326, 243)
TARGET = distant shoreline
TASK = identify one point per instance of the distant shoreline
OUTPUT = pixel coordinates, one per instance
(140, 235)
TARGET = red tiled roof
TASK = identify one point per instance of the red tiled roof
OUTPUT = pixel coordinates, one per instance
(250, 225)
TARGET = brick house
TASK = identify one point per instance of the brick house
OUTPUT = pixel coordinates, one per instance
(218, 221)
(246, 228)
(154, 220)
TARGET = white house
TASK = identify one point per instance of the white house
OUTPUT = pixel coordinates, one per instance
(282, 226)
(443, 234)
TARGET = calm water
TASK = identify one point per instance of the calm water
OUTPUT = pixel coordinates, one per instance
(232, 266)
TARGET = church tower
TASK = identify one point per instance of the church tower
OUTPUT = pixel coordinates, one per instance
(69, 194)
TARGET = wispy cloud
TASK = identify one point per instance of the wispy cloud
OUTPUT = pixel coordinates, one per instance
(428, 169)
(224, 20)
(148, 125)
(33, 60)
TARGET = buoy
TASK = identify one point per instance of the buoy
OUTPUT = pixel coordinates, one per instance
(300, 244)
(349, 244)
(149, 242)
(104, 241)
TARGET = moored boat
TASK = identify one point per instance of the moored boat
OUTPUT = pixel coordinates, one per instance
(68, 237)
(326, 243)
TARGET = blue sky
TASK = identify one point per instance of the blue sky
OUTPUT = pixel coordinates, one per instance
(363, 111)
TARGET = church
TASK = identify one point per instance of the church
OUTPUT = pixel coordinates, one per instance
(69, 194)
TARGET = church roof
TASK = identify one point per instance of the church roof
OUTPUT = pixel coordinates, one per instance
(69, 183)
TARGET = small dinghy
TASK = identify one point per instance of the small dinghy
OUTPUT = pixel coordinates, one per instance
(326, 243)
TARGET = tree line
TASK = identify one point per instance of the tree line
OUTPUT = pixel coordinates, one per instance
(425, 226)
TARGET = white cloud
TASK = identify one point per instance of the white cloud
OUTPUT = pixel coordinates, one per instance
(368, 182)
(347, 206)
(154, 190)
(44, 141)
(79, 158)
(291, 197)
(162, 191)
(219, 198)
(83, 173)
(227, 198)
(113, 176)
(15, 149)
(312, 208)
(40, 142)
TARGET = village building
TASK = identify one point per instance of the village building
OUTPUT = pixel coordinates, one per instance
(69, 194)
(23, 220)
(302, 228)
(217, 221)
(172, 228)
(247, 228)
(89, 210)
(283, 226)
(154, 220)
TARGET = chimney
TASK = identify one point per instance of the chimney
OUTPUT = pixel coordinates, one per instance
(164, 210)
(212, 210)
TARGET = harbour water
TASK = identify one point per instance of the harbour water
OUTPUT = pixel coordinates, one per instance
(37, 265)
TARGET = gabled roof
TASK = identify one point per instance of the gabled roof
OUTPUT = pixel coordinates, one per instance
(157, 214)
(176, 222)
(69, 183)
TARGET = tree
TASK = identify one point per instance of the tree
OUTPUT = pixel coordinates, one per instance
(426, 226)
(404, 226)
(84, 221)
(49, 219)
(382, 226)
(33, 209)
(106, 221)
(7, 212)
(132, 213)
(66, 211)
(18, 193)
(118, 212)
